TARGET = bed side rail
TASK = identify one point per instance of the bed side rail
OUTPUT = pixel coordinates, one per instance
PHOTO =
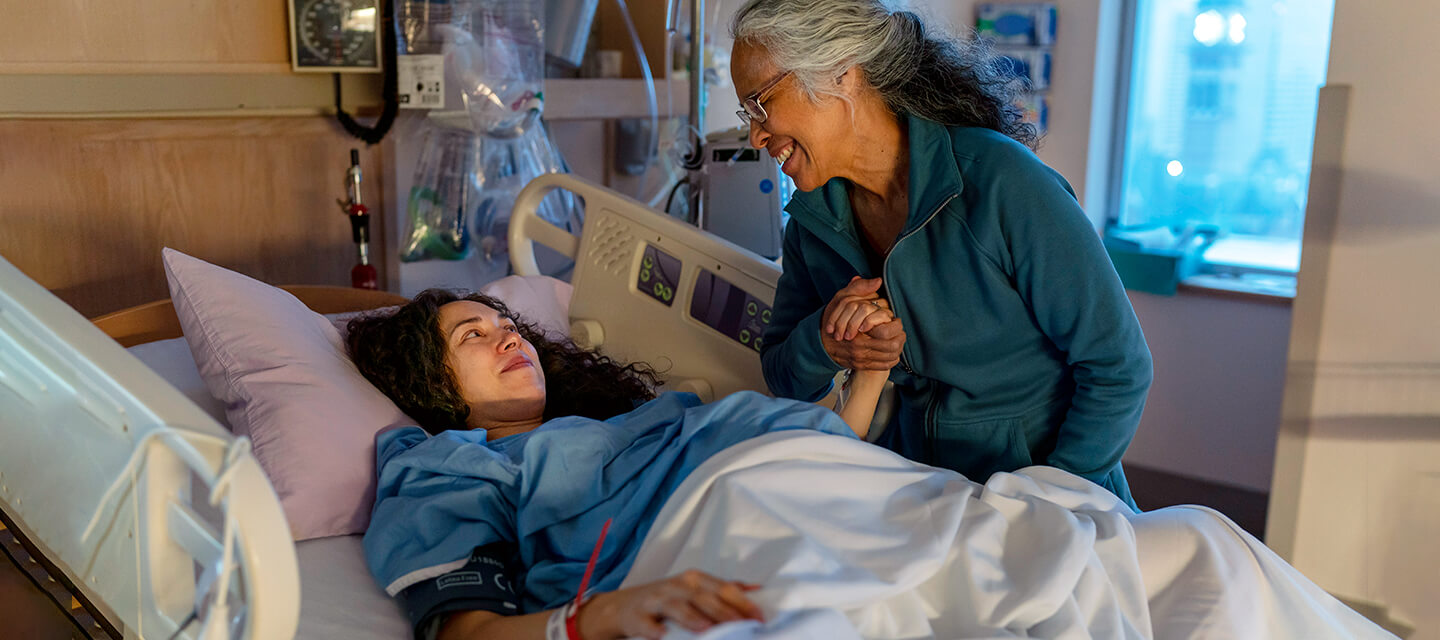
(110, 472)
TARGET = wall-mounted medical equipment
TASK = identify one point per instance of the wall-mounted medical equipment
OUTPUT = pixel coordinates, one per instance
(1023, 34)
(363, 274)
(335, 36)
(330, 36)
(694, 293)
(744, 193)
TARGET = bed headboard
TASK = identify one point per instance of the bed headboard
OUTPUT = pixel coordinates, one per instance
(157, 320)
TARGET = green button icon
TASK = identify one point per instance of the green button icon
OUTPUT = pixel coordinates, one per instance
(659, 290)
(765, 316)
(648, 262)
(750, 309)
(758, 342)
(744, 336)
(669, 293)
(645, 275)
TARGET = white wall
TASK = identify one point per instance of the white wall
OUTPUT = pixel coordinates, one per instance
(1356, 504)
(1219, 375)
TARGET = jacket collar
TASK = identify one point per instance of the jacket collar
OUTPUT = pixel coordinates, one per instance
(934, 178)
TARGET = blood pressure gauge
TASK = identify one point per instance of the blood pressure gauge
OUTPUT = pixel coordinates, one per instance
(334, 35)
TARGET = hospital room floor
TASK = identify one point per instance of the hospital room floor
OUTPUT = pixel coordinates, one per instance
(26, 609)
(1154, 489)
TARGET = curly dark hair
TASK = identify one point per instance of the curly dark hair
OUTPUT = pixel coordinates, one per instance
(404, 355)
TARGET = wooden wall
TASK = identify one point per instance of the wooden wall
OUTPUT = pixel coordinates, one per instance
(128, 125)
(86, 205)
(143, 36)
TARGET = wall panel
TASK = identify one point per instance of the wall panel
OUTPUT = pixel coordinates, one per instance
(86, 205)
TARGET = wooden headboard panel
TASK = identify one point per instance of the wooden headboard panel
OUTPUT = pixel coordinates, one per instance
(86, 204)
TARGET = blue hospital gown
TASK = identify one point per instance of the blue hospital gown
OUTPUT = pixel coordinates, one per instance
(549, 491)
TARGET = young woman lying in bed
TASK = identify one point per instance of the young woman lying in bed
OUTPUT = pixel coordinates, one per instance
(485, 527)
(556, 441)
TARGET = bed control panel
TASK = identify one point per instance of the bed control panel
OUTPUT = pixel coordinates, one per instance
(728, 309)
(659, 275)
(651, 288)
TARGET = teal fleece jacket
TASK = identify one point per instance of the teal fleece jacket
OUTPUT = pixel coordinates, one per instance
(1021, 348)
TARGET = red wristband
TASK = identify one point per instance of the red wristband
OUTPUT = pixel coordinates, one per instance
(572, 623)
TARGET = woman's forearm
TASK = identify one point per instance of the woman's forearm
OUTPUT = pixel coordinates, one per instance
(475, 625)
(594, 620)
(859, 408)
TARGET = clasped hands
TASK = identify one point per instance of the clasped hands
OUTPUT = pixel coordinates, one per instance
(858, 329)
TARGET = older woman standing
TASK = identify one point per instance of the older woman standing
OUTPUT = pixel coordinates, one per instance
(1015, 342)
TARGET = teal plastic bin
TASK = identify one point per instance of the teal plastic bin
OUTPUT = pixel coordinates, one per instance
(1158, 270)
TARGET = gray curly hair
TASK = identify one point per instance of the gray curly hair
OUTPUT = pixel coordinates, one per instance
(940, 78)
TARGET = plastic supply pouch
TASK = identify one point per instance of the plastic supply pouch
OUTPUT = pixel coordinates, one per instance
(510, 164)
(497, 54)
(446, 189)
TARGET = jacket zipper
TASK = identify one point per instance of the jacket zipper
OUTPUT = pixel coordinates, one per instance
(885, 268)
(930, 404)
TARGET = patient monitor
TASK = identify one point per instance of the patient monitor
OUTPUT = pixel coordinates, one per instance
(650, 288)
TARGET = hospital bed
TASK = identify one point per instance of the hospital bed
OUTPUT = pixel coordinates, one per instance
(116, 463)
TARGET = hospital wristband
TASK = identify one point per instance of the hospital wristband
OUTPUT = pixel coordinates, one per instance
(564, 623)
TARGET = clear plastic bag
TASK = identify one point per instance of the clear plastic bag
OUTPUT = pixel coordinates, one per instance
(496, 50)
(445, 191)
(510, 164)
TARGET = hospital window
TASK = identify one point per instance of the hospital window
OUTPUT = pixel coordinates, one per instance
(1218, 127)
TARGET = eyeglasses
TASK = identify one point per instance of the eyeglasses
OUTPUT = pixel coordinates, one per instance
(750, 109)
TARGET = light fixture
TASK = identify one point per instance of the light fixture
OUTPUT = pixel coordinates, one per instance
(1209, 28)
(1237, 28)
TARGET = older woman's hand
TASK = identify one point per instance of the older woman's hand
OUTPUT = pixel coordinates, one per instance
(694, 600)
(858, 330)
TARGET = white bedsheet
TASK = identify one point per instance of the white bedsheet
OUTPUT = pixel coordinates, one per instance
(837, 527)
(338, 598)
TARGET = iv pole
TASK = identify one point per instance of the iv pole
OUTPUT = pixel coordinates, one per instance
(693, 164)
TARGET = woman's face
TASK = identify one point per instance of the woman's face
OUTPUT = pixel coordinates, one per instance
(811, 139)
(497, 370)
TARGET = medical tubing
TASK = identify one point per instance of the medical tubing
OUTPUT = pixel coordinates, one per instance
(649, 95)
(390, 92)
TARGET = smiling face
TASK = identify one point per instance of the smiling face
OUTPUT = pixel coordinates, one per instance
(812, 139)
(496, 370)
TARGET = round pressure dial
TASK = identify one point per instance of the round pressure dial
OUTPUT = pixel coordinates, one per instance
(331, 35)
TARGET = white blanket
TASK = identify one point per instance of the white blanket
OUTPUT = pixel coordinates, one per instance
(851, 540)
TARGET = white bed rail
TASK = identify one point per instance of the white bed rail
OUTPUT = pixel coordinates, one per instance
(80, 416)
(701, 329)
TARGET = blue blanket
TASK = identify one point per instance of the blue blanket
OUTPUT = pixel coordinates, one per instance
(550, 490)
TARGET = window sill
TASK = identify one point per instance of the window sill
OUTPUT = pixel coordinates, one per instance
(1271, 289)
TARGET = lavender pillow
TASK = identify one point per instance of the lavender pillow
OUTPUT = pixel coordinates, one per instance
(282, 372)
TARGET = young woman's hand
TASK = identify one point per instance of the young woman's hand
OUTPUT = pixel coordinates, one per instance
(694, 600)
(859, 331)
(857, 315)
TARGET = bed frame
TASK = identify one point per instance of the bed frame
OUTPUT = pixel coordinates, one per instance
(157, 321)
(79, 415)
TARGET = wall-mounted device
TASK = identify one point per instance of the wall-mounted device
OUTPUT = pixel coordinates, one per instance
(335, 36)
(744, 193)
